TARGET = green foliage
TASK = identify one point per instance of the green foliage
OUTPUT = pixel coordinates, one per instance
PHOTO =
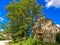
(38, 43)
(30, 41)
(33, 41)
(21, 15)
(2, 37)
(58, 37)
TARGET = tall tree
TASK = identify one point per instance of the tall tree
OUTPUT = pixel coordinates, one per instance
(21, 15)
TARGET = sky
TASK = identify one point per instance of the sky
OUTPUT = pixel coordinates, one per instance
(51, 10)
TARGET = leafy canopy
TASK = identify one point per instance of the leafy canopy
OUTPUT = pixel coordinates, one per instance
(21, 15)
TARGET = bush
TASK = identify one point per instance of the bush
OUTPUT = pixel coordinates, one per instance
(2, 37)
(58, 37)
(33, 41)
(30, 41)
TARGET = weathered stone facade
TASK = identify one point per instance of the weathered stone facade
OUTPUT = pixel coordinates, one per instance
(45, 29)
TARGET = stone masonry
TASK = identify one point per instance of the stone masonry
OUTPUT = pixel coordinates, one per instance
(45, 29)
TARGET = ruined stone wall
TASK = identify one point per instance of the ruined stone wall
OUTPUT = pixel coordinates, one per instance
(47, 31)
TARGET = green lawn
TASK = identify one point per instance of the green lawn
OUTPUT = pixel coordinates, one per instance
(14, 44)
(41, 43)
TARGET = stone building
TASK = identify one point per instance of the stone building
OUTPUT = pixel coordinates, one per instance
(45, 29)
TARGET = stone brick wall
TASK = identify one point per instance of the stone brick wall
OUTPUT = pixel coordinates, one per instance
(47, 31)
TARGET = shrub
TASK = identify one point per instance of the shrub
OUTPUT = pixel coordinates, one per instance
(30, 41)
(58, 37)
(2, 37)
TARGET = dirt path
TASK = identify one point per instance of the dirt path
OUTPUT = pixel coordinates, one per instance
(5, 42)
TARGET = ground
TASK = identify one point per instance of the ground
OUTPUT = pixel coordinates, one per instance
(5, 42)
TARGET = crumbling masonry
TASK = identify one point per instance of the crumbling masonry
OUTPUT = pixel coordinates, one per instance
(45, 29)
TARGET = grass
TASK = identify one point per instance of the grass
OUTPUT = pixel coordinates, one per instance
(14, 44)
(41, 43)
(33, 41)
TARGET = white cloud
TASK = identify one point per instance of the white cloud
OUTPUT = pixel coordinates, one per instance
(1, 19)
(52, 3)
(1, 30)
(58, 25)
(46, 0)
